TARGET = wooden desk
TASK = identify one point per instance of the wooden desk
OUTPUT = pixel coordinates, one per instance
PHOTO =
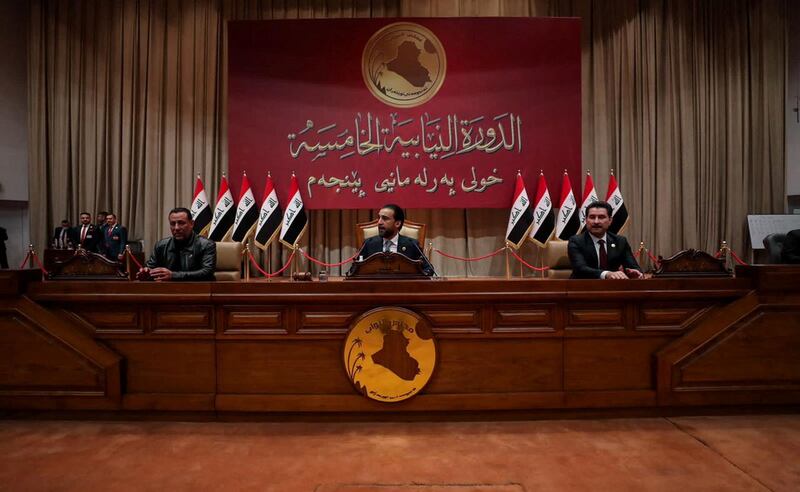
(522, 344)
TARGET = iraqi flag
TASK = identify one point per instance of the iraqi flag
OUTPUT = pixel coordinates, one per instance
(294, 220)
(543, 219)
(201, 209)
(269, 218)
(567, 222)
(589, 197)
(520, 220)
(246, 213)
(224, 213)
(619, 214)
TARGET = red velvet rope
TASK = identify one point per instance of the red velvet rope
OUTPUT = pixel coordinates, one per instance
(36, 257)
(270, 275)
(527, 264)
(27, 257)
(322, 263)
(653, 258)
(461, 258)
(736, 257)
(130, 255)
(718, 254)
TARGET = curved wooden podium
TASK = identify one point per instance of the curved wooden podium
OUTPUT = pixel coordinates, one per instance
(525, 345)
(387, 266)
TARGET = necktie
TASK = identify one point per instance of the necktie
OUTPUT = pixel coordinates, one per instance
(386, 246)
(603, 255)
(83, 234)
(63, 238)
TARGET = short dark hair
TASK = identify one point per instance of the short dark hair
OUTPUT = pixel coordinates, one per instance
(85, 213)
(399, 215)
(111, 214)
(65, 220)
(103, 213)
(181, 210)
(600, 204)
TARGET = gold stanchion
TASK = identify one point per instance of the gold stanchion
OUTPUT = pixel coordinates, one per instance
(269, 261)
(128, 266)
(541, 261)
(508, 268)
(246, 260)
(724, 251)
(31, 253)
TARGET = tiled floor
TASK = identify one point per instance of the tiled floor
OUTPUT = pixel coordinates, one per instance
(678, 454)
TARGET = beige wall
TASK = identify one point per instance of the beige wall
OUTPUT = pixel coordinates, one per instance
(14, 128)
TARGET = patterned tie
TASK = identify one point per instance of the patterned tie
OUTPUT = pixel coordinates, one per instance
(603, 255)
(83, 234)
(386, 246)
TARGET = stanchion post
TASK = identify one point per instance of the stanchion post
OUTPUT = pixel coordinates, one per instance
(642, 250)
(245, 259)
(725, 251)
(508, 267)
(128, 267)
(31, 252)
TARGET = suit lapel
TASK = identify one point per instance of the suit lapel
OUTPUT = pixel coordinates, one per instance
(589, 248)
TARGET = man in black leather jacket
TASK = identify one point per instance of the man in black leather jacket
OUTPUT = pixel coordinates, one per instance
(184, 256)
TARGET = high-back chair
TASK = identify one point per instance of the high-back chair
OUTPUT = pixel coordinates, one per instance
(229, 261)
(414, 230)
(556, 257)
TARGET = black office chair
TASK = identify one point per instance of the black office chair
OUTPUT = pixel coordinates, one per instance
(774, 245)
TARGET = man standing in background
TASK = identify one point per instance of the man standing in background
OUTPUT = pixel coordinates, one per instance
(3, 239)
(88, 236)
(115, 237)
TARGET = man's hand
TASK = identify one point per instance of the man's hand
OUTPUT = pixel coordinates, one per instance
(633, 273)
(143, 274)
(161, 274)
(618, 275)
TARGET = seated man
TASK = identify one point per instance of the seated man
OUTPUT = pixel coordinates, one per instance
(598, 253)
(389, 239)
(184, 256)
(791, 247)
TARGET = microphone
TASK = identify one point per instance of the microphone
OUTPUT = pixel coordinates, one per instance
(424, 258)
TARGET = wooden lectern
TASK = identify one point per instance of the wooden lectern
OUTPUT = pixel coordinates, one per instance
(387, 266)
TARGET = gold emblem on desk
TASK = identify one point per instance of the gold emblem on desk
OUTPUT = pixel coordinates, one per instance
(390, 354)
(404, 64)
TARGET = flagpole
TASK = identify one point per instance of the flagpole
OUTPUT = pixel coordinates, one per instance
(245, 258)
(269, 261)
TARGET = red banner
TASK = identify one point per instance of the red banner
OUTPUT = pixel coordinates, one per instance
(426, 113)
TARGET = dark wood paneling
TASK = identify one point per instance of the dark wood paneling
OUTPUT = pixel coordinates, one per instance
(453, 320)
(669, 316)
(167, 366)
(33, 361)
(284, 367)
(111, 319)
(254, 320)
(497, 366)
(611, 363)
(327, 321)
(531, 318)
(595, 316)
(761, 351)
(183, 320)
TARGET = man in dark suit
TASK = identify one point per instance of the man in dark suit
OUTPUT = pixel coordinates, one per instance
(63, 237)
(87, 234)
(115, 237)
(598, 253)
(389, 239)
(791, 247)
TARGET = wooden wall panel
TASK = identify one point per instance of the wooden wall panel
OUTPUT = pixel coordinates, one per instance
(611, 363)
(497, 366)
(595, 316)
(183, 319)
(111, 318)
(31, 360)
(254, 320)
(762, 350)
(167, 366)
(528, 318)
(282, 367)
